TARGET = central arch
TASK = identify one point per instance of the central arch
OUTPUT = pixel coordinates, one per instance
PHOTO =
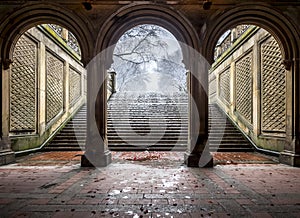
(111, 31)
(132, 15)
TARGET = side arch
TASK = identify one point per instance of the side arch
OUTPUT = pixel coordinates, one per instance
(283, 29)
(30, 15)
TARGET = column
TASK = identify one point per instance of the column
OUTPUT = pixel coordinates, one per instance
(256, 91)
(197, 154)
(291, 153)
(96, 153)
(232, 88)
(6, 154)
(42, 82)
(66, 87)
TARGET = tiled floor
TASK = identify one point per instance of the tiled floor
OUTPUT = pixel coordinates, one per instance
(148, 185)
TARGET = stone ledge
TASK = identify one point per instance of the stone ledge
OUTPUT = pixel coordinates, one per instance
(6, 157)
(289, 158)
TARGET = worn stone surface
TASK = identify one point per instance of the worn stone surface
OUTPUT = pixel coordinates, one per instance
(158, 187)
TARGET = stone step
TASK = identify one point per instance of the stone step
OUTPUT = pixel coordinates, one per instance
(137, 120)
(145, 115)
(62, 148)
(228, 149)
(145, 119)
(152, 148)
(67, 142)
(128, 133)
(143, 144)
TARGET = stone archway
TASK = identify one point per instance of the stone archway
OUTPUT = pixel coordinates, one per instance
(34, 14)
(285, 32)
(114, 27)
(12, 28)
(288, 37)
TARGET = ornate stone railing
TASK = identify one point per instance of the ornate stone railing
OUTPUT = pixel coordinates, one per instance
(65, 37)
(229, 38)
(45, 87)
(250, 84)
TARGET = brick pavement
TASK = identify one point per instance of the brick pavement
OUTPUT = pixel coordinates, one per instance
(149, 188)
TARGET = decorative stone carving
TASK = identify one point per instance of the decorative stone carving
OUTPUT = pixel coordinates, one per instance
(74, 86)
(73, 43)
(273, 87)
(243, 85)
(23, 86)
(224, 86)
(58, 29)
(54, 73)
(212, 87)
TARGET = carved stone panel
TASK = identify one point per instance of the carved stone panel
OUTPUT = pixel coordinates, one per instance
(224, 86)
(55, 93)
(243, 85)
(23, 86)
(74, 87)
(273, 87)
(212, 87)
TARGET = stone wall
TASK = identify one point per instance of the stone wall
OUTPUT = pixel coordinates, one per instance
(46, 87)
(249, 82)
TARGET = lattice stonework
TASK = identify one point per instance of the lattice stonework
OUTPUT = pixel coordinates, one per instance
(244, 87)
(23, 86)
(54, 86)
(273, 87)
(224, 86)
(212, 87)
(75, 86)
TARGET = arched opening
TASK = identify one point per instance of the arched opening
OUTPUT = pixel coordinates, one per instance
(144, 57)
(15, 24)
(249, 82)
(263, 16)
(273, 82)
(46, 85)
(147, 106)
(120, 22)
(36, 14)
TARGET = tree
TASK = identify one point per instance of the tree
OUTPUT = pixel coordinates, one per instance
(147, 49)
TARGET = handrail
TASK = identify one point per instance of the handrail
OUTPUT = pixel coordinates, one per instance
(229, 38)
(52, 135)
(63, 37)
(273, 153)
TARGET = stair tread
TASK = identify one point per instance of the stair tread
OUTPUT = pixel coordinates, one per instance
(127, 119)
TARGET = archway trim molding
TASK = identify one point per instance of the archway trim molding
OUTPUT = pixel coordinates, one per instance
(30, 15)
(132, 15)
(281, 27)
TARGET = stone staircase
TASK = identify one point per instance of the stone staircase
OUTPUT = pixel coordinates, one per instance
(223, 135)
(68, 139)
(147, 121)
(151, 122)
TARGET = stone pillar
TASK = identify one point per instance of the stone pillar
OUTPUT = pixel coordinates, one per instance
(83, 85)
(42, 82)
(256, 91)
(6, 154)
(232, 87)
(65, 34)
(291, 153)
(197, 154)
(66, 86)
(96, 149)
